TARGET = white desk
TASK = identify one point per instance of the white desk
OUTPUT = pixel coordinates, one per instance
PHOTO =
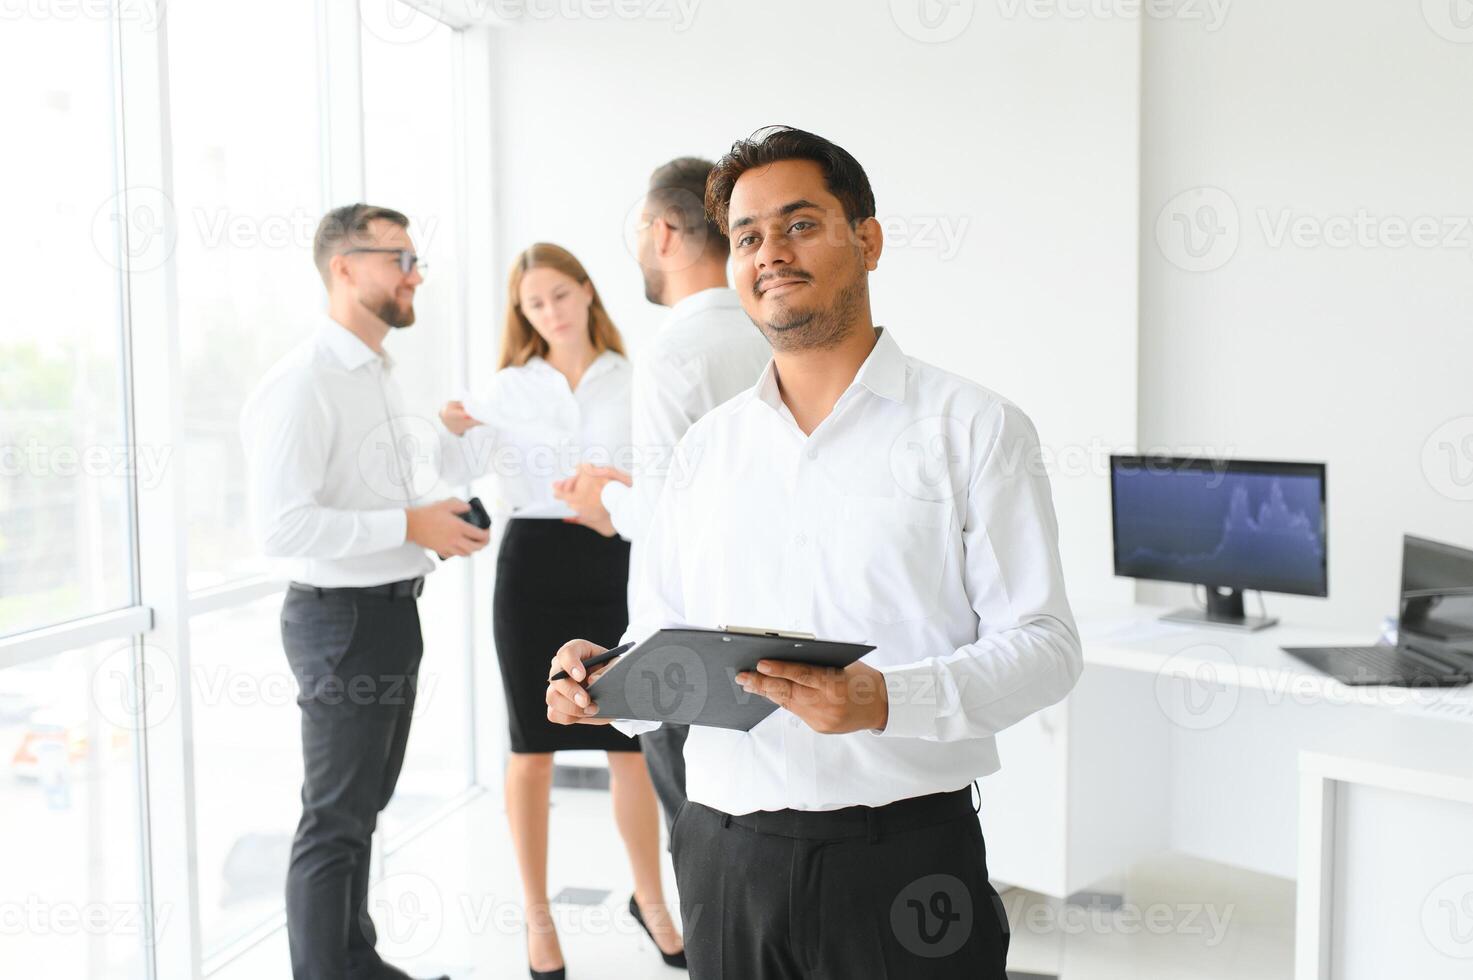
(1385, 883)
(1187, 740)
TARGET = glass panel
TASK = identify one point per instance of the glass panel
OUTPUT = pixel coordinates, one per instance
(409, 104)
(247, 196)
(65, 545)
(248, 767)
(71, 894)
(409, 126)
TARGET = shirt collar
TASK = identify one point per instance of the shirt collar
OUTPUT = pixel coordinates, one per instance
(883, 372)
(716, 296)
(346, 346)
(607, 360)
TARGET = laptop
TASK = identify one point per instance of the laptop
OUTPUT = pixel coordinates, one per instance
(1434, 643)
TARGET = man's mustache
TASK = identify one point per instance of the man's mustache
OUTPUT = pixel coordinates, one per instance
(794, 274)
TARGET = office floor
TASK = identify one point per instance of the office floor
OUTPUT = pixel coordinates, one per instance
(449, 904)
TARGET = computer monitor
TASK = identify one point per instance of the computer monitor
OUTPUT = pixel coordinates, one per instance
(1228, 524)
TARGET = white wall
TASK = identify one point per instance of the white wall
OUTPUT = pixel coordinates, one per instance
(1003, 161)
(1355, 355)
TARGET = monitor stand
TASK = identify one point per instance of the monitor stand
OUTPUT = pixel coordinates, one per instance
(1224, 611)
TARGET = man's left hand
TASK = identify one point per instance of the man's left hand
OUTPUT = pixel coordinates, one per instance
(830, 700)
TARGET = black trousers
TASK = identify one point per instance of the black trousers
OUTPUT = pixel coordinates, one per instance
(664, 756)
(897, 892)
(356, 660)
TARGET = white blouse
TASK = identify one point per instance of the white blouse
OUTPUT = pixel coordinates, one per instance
(537, 430)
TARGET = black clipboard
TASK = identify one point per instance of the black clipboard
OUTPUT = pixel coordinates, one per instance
(687, 675)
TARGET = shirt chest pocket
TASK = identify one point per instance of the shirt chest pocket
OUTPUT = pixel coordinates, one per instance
(885, 557)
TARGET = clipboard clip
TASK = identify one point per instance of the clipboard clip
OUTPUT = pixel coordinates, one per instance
(757, 631)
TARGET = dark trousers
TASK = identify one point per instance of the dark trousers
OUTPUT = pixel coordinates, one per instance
(664, 756)
(898, 892)
(356, 660)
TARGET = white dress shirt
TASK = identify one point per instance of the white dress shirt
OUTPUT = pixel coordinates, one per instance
(917, 518)
(332, 461)
(707, 351)
(537, 430)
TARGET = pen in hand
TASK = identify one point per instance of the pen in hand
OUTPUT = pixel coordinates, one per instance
(595, 661)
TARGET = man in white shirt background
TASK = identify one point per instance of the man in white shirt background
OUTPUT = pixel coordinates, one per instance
(706, 351)
(332, 491)
(857, 494)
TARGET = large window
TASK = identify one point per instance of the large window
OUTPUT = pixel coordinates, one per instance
(248, 767)
(409, 133)
(159, 259)
(247, 198)
(71, 901)
(65, 457)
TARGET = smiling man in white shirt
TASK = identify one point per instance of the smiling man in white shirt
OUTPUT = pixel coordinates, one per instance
(706, 351)
(335, 498)
(857, 494)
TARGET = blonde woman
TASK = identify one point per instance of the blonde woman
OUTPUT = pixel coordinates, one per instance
(560, 397)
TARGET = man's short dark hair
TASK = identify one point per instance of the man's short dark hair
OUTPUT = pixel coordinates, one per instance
(677, 196)
(341, 227)
(842, 174)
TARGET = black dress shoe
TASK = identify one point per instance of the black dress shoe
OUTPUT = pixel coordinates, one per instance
(671, 959)
(561, 973)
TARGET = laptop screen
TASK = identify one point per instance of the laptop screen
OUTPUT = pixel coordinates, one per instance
(1436, 589)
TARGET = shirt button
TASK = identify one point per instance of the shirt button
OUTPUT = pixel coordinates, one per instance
(813, 454)
(800, 540)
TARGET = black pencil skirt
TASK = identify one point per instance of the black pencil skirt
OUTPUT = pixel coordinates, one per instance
(555, 582)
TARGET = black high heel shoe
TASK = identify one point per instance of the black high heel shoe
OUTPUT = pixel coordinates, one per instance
(671, 959)
(561, 973)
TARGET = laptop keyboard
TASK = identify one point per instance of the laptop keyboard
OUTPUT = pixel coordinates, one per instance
(1370, 665)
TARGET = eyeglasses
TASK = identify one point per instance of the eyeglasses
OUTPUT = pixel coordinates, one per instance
(408, 261)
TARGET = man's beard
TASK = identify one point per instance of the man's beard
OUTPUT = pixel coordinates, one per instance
(798, 330)
(387, 309)
(654, 284)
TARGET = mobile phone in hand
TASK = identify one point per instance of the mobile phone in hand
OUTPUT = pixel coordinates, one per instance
(477, 516)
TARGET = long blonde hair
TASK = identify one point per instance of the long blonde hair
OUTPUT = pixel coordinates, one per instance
(520, 342)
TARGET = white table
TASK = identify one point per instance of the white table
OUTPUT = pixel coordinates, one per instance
(1183, 739)
(1385, 884)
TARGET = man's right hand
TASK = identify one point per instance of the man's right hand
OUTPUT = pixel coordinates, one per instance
(438, 527)
(568, 702)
